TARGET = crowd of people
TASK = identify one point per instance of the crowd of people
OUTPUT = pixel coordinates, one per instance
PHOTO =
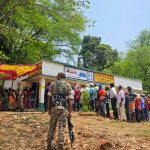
(17, 100)
(126, 105)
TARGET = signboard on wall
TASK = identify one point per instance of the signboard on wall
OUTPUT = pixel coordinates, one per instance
(75, 73)
(70, 72)
(79, 74)
(90, 76)
(103, 78)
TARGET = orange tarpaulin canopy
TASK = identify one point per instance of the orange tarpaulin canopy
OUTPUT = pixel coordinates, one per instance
(11, 72)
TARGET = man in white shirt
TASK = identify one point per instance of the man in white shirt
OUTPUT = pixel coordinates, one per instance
(96, 88)
(121, 103)
(113, 97)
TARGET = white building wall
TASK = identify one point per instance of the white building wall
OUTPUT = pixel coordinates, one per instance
(135, 84)
(8, 83)
(51, 68)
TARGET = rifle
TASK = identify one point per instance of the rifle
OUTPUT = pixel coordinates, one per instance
(71, 134)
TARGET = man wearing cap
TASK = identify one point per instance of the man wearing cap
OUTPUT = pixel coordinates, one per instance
(59, 101)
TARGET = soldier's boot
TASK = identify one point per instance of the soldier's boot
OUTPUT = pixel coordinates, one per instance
(49, 147)
(52, 147)
(60, 147)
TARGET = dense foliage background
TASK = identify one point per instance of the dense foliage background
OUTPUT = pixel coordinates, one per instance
(135, 63)
(34, 29)
(31, 30)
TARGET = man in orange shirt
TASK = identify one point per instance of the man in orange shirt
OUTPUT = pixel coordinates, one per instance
(102, 100)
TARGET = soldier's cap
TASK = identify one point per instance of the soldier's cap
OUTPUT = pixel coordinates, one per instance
(61, 75)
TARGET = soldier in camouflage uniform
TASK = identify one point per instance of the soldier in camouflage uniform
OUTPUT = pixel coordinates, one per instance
(59, 99)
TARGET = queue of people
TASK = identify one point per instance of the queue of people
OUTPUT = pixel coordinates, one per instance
(17, 100)
(124, 104)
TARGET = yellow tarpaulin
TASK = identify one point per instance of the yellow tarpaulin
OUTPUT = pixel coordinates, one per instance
(11, 72)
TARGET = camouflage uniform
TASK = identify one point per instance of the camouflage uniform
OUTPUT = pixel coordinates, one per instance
(58, 113)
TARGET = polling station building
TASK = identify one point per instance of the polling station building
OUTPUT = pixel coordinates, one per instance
(48, 70)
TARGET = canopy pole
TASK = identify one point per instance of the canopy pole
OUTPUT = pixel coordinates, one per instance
(12, 83)
(41, 93)
(35, 100)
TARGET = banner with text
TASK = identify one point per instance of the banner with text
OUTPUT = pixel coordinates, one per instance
(78, 74)
(90, 76)
(103, 78)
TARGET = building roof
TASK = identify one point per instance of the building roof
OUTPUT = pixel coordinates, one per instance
(86, 69)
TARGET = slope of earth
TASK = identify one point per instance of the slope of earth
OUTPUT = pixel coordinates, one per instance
(28, 131)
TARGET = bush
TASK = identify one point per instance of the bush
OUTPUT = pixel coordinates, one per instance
(85, 101)
(85, 109)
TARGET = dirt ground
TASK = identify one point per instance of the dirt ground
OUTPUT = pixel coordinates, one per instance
(28, 131)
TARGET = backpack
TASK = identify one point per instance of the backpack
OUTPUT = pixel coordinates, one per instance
(60, 98)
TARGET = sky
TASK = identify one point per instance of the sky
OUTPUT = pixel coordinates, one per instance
(118, 21)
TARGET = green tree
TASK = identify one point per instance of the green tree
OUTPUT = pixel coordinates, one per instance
(3, 57)
(136, 63)
(31, 29)
(140, 64)
(142, 40)
(96, 55)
